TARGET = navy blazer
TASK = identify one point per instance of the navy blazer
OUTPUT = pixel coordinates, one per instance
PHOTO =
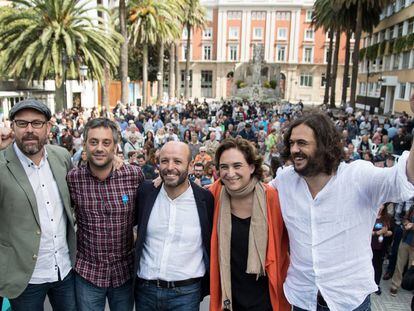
(146, 196)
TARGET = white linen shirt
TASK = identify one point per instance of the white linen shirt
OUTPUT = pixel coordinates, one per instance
(53, 253)
(173, 249)
(330, 235)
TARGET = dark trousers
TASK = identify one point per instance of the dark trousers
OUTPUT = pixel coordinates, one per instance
(377, 261)
(392, 257)
(61, 296)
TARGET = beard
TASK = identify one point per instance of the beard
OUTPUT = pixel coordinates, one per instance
(314, 165)
(182, 177)
(32, 148)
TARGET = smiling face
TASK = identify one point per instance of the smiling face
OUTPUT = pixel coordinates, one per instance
(234, 170)
(30, 140)
(174, 162)
(100, 147)
(303, 149)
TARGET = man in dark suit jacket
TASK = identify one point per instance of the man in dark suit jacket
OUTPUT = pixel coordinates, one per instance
(174, 230)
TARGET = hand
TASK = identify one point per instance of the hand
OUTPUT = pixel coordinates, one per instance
(117, 163)
(157, 182)
(6, 137)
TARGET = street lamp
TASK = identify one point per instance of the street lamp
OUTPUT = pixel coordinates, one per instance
(83, 71)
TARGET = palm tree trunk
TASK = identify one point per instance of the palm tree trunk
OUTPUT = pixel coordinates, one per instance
(335, 68)
(160, 89)
(59, 96)
(328, 68)
(124, 54)
(105, 87)
(144, 74)
(187, 63)
(177, 72)
(346, 67)
(355, 56)
(171, 80)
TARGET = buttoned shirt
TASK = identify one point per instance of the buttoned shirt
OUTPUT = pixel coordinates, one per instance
(53, 256)
(330, 235)
(173, 249)
(105, 216)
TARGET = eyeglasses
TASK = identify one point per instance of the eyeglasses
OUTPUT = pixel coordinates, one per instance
(36, 124)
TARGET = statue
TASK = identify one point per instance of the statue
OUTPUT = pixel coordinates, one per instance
(257, 63)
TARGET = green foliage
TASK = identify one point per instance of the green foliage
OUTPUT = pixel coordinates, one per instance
(266, 84)
(372, 52)
(400, 45)
(390, 47)
(410, 41)
(240, 84)
(273, 84)
(362, 53)
(41, 37)
(382, 48)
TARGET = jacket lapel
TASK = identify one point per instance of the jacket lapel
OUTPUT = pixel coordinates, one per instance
(17, 170)
(202, 212)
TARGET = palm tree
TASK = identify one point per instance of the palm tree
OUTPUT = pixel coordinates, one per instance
(194, 17)
(55, 38)
(123, 66)
(335, 66)
(359, 7)
(149, 19)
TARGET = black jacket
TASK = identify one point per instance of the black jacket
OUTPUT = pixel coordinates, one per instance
(146, 196)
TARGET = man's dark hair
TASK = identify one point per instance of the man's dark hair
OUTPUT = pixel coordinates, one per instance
(102, 122)
(246, 148)
(328, 140)
(140, 156)
(199, 164)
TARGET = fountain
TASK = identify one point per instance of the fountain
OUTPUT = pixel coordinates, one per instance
(257, 80)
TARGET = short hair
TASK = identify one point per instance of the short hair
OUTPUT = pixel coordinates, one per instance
(328, 140)
(102, 122)
(199, 164)
(246, 148)
(140, 156)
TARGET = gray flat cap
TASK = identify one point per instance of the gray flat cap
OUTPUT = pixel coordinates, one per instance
(30, 104)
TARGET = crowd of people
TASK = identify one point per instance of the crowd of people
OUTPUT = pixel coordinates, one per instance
(252, 191)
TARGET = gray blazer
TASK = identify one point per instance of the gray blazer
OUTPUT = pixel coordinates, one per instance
(19, 221)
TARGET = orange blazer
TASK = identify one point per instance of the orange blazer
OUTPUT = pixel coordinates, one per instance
(277, 257)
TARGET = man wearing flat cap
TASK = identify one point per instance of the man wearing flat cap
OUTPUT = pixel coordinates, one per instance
(37, 235)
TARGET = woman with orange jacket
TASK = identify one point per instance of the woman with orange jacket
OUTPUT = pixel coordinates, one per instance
(249, 246)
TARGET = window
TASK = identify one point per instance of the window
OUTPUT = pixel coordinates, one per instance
(362, 88)
(401, 4)
(405, 60)
(190, 84)
(308, 55)
(396, 63)
(258, 16)
(207, 52)
(234, 15)
(309, 16)
(234, 33)
(257, 33)
(283, 16)
(184, 48)
(208, 33)
(206, 83)
(233, 49)
(400, 30)
(209, 15)
(387, 63)
(411, 89)
(281, 53)
(282, 33)
(402, 90)
(410, 26)
(309, 35)
(323, 80)
(306, 79)
(185, 33)
(326, 55)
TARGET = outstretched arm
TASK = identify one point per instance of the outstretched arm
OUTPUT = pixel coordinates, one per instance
(410, 161)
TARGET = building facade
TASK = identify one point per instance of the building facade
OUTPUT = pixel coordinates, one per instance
(386, 79)
(282, 27)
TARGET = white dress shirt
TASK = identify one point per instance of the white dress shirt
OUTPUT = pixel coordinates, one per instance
(173, 249)
(53, 253)
(330, 235)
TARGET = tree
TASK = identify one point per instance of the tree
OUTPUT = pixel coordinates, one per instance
(149, 20)
(123, 67)
(335, 66)
(358, 8)
(194, 15)
(56, 37)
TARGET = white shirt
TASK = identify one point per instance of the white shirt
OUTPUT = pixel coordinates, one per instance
(173, 249)
(53, 250)
(330, 235)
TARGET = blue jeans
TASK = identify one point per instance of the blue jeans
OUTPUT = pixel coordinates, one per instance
(364, 306)
(149, 297)
(61, 296)
(90, 297)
